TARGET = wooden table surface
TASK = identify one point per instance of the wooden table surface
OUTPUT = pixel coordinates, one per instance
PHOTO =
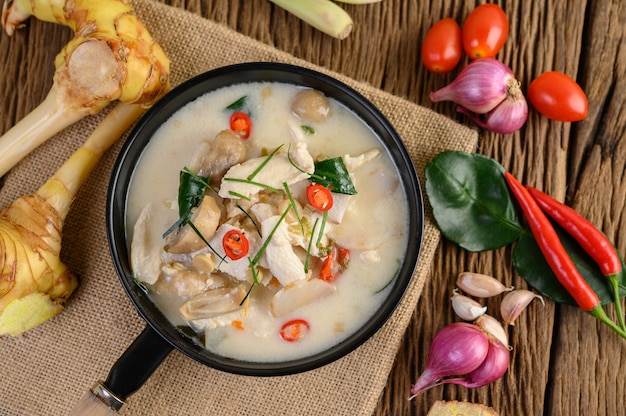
(562, 362)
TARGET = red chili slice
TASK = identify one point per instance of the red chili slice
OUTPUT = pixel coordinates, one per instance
(319, 197)
(294, 330)
(235, 244)
(241, 124)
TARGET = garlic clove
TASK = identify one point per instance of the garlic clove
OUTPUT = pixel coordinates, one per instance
(515, 302)
(493, 327)
(466, 308)
(480, 285)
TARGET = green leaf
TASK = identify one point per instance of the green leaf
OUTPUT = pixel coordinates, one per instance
(471, 202)
(333, 174)
(238, 104)
(533, 267)
(190, 191)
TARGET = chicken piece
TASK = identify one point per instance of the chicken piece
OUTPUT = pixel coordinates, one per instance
(277, 170)
(213, 303)
(299, 294)
(226, 150)
(311, 105)
(144, 253)
(206, 219)
(282, 261)
(352, 163)
(184, 282)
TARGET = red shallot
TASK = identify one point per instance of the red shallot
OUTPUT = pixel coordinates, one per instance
(492, 368)
(457, 350)
(486, 90)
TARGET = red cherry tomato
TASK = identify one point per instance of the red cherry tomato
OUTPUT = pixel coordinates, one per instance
(235, 244)
(484, 31)
(319, 197)
(557, 96)
(294, 330)
(442, 47)
(241, 124)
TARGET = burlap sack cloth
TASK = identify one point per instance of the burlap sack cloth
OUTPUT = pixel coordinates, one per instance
(47, 370)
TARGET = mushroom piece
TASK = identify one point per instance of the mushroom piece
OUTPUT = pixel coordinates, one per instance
(311, 105)
(206, 219)
(144, 253)
(298, 294)
(226, 150)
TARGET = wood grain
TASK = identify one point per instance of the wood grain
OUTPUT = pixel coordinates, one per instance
(562, 362)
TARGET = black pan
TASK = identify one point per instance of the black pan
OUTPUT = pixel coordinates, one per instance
(160, 336)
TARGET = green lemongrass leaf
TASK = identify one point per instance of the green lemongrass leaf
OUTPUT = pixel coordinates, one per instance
(247, 214)
(204, 240)
(249, 182)
(471, 202)
(530, 263)
(321, 233)
(262, 165)
(333, 174)
(293, 205)
(238, 104)
(307, 129)
(238, 195)
(258, 255)
(308, 248)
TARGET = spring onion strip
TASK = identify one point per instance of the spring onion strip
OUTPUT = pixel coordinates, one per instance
(319, 236)
(179, 223)
(238, 195)
(256, 258)
(199, 234)
(262, 165)
(295, 208)
(308, 248)
(258, 230)
(259, 184)
(255, 280)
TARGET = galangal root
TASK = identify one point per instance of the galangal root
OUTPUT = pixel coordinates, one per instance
(111, 57)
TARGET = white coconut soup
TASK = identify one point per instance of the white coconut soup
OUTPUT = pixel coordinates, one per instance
(261, 269)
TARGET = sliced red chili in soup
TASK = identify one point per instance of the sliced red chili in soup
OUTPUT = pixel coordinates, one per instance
(319, 197)
(235, 244)
(294, 330)
(241, 124)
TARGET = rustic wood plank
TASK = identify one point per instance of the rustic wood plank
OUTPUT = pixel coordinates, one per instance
(562, 361)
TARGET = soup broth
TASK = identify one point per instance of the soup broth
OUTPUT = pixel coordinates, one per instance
(258, 267)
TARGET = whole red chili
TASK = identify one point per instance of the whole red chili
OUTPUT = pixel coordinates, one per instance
(592, 240)
(552, 249)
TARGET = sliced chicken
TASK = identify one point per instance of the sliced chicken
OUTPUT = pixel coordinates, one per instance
(144, 253)
(299, 294)
(276, 171)
(282, 261)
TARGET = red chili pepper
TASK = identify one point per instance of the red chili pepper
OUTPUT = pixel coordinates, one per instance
(592, 240)
(552, 249)
(319, 197)
(235, 244)
(241, 124)
(294, 330)
(335, 263)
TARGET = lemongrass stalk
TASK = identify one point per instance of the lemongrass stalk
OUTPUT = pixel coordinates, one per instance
(358, 1)
(323, 15)
(34, 282)
(112, 57)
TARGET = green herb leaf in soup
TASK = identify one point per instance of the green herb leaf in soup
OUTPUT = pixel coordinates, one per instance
(332, 173)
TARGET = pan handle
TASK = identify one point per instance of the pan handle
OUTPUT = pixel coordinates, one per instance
(127, 375)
